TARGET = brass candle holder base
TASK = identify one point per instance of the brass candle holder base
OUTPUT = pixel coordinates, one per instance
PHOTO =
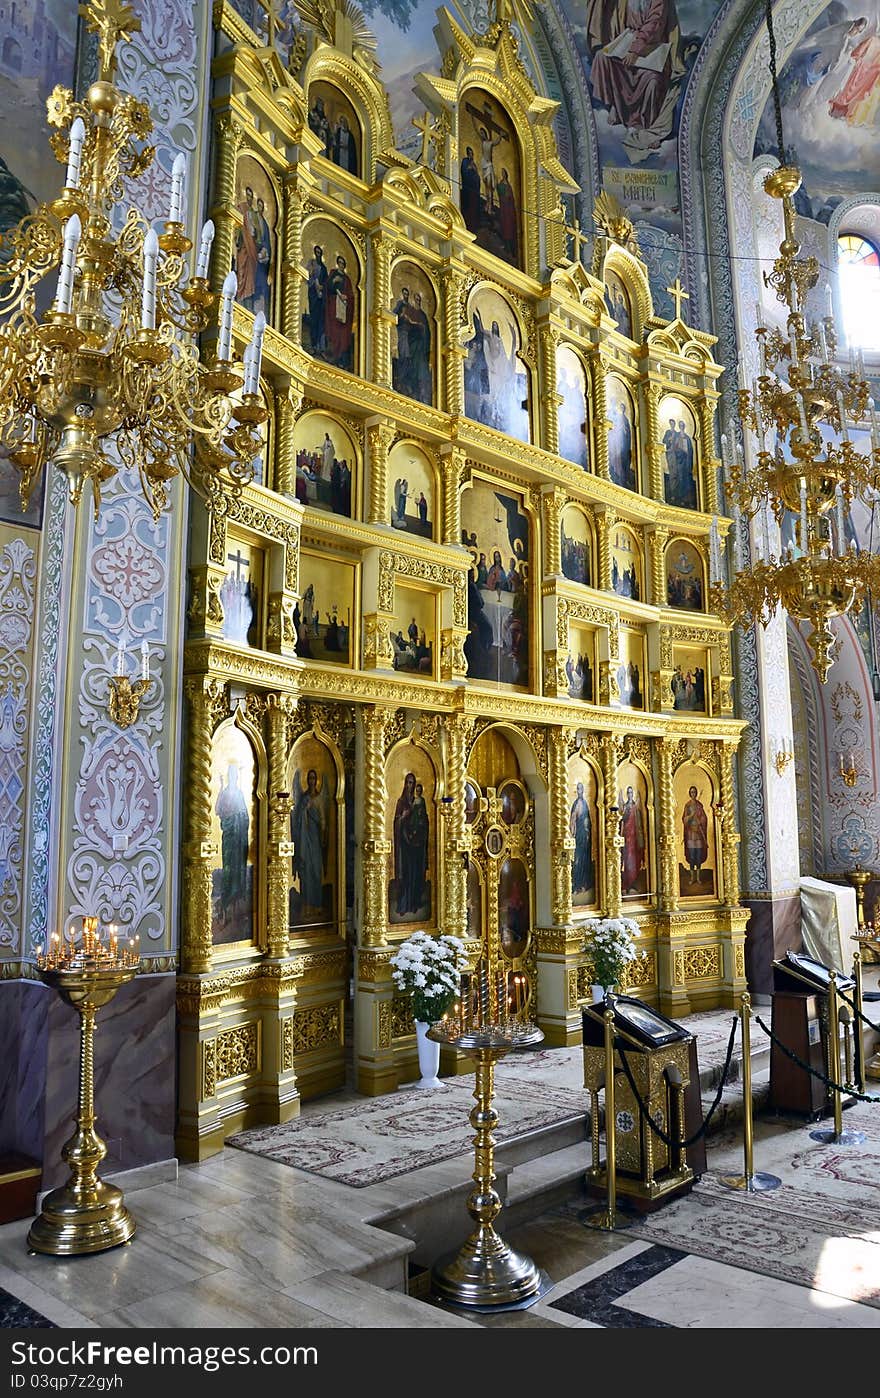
(485, 1274)
(84, 1215)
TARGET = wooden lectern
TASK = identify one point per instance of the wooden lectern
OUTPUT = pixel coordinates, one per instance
(800, 1021)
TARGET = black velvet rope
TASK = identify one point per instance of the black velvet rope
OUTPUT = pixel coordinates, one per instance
(658, 1131)
(864, 1018)
(808, 1068)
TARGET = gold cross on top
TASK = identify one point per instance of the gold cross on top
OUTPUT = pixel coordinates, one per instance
(678, 294)
(423, 124)
(578, 237)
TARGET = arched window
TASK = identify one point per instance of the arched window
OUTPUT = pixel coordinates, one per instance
(859, 274)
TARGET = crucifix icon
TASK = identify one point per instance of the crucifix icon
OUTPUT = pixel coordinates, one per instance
(272, 11)
(678, 294)
(578, 237)
(423, 125)
(240, 561)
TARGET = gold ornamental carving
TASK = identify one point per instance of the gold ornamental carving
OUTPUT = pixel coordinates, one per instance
(702, 963)
(238, 1051)
(402, 1022)
(739, 961)
(383, 1024)
(209, 1068)
(316, 1027)
(287, 1044)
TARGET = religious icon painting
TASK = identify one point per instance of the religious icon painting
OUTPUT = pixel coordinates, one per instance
(323, 616)
(513, 803)
(326, 464)
(580, 663)
(313, 832)
(496, 531)
(635, 854)
(690, 687)
(571, 389)
(242, 593)
(693, 799)
(472, 800)
(331, 320)
(576, 544)
(234, 835)
(413, 632)
(584, 829)
(617, 300)
(256, 238)
(622, 437)
(490, 185)
(411, 824)
(626, 564)
(685, 578)
(678, 437)
(474, 902)
(496, 381)
(334, 121)
(630, 672)
(411, 491)
(414, 339)
(514, 908)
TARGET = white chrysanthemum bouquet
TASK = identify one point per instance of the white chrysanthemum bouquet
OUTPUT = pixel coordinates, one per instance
(610, 943)
(429, 970)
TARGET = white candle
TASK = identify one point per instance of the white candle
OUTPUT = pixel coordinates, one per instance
(872, 411)
(737, 545)
(724, 457)
(714, 551)
(224, 344)
(802, 415)
(829, 303)
(252, 378)
(74, 153)
(120, 659)
(823, 343)
(64, 294)
(841, 522)
(741, 459)
(844, 432)
(759, 420)
(766, 532)
(148, 300)
(759, 314)
(145, 660)
(792, 337)
(177, 213)
(804, 535)
(205, 250)
(762, 350)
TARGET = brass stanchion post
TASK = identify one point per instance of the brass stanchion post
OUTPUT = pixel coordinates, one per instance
(749, 1181)
(837, 1136)
(609, 1219)
(857, 1027)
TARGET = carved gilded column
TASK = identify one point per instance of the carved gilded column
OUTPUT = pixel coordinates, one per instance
(730, 833)
(380, 314)
(288, 402)
(708, 460)
(555, 499)
(199, 850)
(605, 522)
(659, 538)
(612, 744)
(380, 435)
(292, 278)
(561, 841)
(457, 836)
(278, 709)
(549, 399)
(376, 848)
(656, 450)
(452, 467)
(229, 136)
(454, 353)
(669, 893)
(601, 421)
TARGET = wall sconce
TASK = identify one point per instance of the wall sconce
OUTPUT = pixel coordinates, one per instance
(849, 772)
(124, 699)
(784, 755)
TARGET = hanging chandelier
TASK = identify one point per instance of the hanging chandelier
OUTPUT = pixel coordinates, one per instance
(115, 358)
(799, 389)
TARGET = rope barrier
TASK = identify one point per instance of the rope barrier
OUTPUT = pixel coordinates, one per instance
(658, 1131)
(808, 1067)
(864, 1018)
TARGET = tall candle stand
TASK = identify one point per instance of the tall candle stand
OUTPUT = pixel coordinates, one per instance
(85, 1214)
(486, 1274)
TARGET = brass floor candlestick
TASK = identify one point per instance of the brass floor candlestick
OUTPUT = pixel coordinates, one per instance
(486, 1274)
(85, 1215)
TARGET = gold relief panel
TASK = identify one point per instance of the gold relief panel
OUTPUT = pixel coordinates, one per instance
(411, 823)
(572, 412)
(327, 464)
(576, 542)
(256, 239)
(679, 437)
(623, 442)
(332, 326)
(739, 961)
(326, 610)
(496, 377)
(412, 491)
(209, 1068)
(413, 632)
(238, 1051)
(287, 1044)
(402, 1022)
(316, 1027)
(490, 189)
(415, 339)
(702, 963)
(641, 971)
(693, 793)
(584, 826)
(316, 831)
(383, 1024)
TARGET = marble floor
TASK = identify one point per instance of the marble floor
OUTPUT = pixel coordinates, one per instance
(242, 1241)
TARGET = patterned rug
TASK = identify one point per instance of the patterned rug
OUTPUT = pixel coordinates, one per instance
(376, 1139)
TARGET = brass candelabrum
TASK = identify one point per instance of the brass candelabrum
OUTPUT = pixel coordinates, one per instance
(490, 1019)
(85, 1215)
(115, 359)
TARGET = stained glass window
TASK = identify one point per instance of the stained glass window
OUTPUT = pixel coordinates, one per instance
(859, 281)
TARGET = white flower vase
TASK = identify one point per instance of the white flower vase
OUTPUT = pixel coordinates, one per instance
(429, 1057)
(598, 994)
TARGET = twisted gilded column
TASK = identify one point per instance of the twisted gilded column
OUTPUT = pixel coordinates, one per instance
(380, 312)
(612, 744)
(561, 839)
(228, 135)
(555, 500)
(199, 849)
(656, 450)
(454, 353)
(288, 402)
(708, 460)
(549, 399)
(290, 318)
(380, 435)
(452, 466)
(669, 892)
(278, 709)
(376, 848)
(659, 538)
(457, 836)
(730, 834)
(605, 522)
(600, 419)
